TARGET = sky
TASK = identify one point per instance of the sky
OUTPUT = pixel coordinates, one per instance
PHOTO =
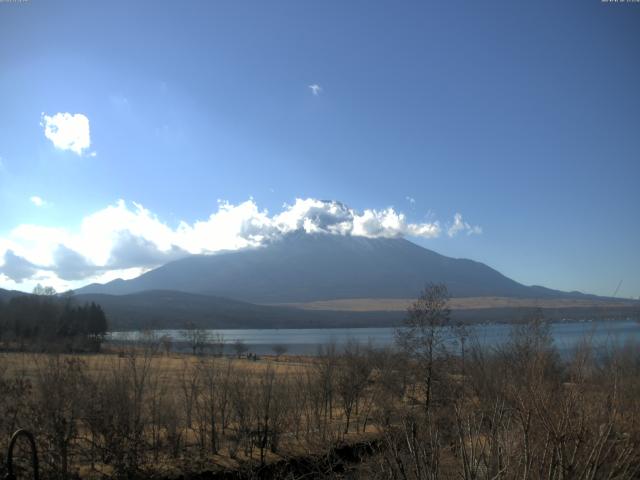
(132, 133)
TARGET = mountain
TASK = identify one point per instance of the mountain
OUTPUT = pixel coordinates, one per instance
(6, 295)
(304, 267)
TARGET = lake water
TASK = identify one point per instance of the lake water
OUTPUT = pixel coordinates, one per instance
(566, 335)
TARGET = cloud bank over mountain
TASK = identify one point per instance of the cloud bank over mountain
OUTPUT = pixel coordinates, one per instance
(123, 240)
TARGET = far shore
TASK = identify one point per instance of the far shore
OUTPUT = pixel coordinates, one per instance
(459, 303)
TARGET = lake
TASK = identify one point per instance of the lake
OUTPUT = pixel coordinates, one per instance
(566, 335)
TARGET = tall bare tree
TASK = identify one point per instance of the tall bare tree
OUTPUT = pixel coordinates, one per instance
(424, 333)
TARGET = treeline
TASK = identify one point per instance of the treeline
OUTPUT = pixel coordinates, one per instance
(48, 322)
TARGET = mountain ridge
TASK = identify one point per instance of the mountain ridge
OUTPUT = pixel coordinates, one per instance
(304, 267)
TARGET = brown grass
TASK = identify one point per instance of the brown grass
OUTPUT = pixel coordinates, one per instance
(464, 303)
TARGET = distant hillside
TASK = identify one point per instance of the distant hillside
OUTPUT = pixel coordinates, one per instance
(161, 309)
(8, 294)
(302, 268)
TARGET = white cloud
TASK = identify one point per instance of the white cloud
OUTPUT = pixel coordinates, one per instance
(459, 225)
(411, 200)
(67, 131)
(126, 239)
(315, 89)
(38, 201)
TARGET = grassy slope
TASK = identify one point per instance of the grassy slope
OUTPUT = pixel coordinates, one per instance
(464, 303)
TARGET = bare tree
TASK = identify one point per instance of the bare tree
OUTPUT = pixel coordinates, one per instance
(268, 406)
(279, 349)
(167, 344)
(57, 409)
(217, 342)
(44, 291)
(240, 348)
(196, 338)
(325, 379)
(352, 376)
(423, 333)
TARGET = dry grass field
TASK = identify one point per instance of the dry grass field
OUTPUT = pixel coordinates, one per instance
(179, 413)
(423, 412)
(170, 366)
(462, 303)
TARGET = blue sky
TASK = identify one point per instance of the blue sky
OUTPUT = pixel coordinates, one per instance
(523, 117)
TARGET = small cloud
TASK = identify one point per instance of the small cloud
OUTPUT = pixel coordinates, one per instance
(17, 268)
(459, 225)
(411, 200)
(315, 89)
(70, 265)
(136, 251)
(38, 201)
(67, 131)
